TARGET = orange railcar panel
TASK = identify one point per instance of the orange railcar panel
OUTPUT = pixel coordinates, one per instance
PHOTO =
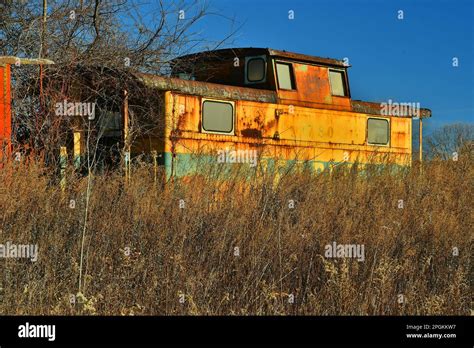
(5, 106)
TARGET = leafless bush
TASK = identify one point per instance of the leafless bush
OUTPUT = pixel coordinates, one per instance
(451, 140)
(89, 39)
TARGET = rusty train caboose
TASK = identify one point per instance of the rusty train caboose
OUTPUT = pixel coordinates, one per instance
(291, 108)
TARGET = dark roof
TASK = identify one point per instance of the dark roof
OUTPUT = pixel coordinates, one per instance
(250, 51)
(373, 108)
(207, 89)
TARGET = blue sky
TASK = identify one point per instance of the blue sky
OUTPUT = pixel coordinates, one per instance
(407, 60)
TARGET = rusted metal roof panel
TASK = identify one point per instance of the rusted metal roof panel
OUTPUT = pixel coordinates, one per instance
(306, 58)
(253, 51)
(206, 89)
(376, 109)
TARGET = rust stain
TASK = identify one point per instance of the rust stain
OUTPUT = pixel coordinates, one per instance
(252, 133)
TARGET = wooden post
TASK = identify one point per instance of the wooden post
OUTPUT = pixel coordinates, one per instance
(42, 52)
(421, 140)
(77, 149)
(126, 162)
(63, 166)
(155, 164)
(125, 119)
(126, 140)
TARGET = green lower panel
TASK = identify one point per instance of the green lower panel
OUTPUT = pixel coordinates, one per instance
(207, 165)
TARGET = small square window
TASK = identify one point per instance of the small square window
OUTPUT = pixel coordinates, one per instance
(378, 131)
(285, 76)
(255, 70)
(338, 83)
(217, 116)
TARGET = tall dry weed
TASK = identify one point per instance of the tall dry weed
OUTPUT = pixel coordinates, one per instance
(259, 250)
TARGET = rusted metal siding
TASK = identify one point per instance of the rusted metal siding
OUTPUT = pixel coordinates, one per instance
(306, 134)
(5, 105)
(299, 125)
(312, 89)
(221, 66)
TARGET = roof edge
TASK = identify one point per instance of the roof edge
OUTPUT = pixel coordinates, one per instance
(271, 52)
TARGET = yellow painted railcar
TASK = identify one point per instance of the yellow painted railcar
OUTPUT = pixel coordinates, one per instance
(287, 108)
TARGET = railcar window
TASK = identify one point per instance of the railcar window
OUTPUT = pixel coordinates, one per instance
(110, 123)
(217, 117)
(338, 83)
(284, 74)
(255, 70)
(378, 131)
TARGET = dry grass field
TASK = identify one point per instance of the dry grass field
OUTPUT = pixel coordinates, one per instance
(148, 250)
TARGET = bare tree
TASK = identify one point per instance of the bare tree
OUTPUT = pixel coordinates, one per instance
(123, 36)
(449, 139)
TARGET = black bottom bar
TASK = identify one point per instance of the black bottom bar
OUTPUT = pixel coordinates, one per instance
(241, 331)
